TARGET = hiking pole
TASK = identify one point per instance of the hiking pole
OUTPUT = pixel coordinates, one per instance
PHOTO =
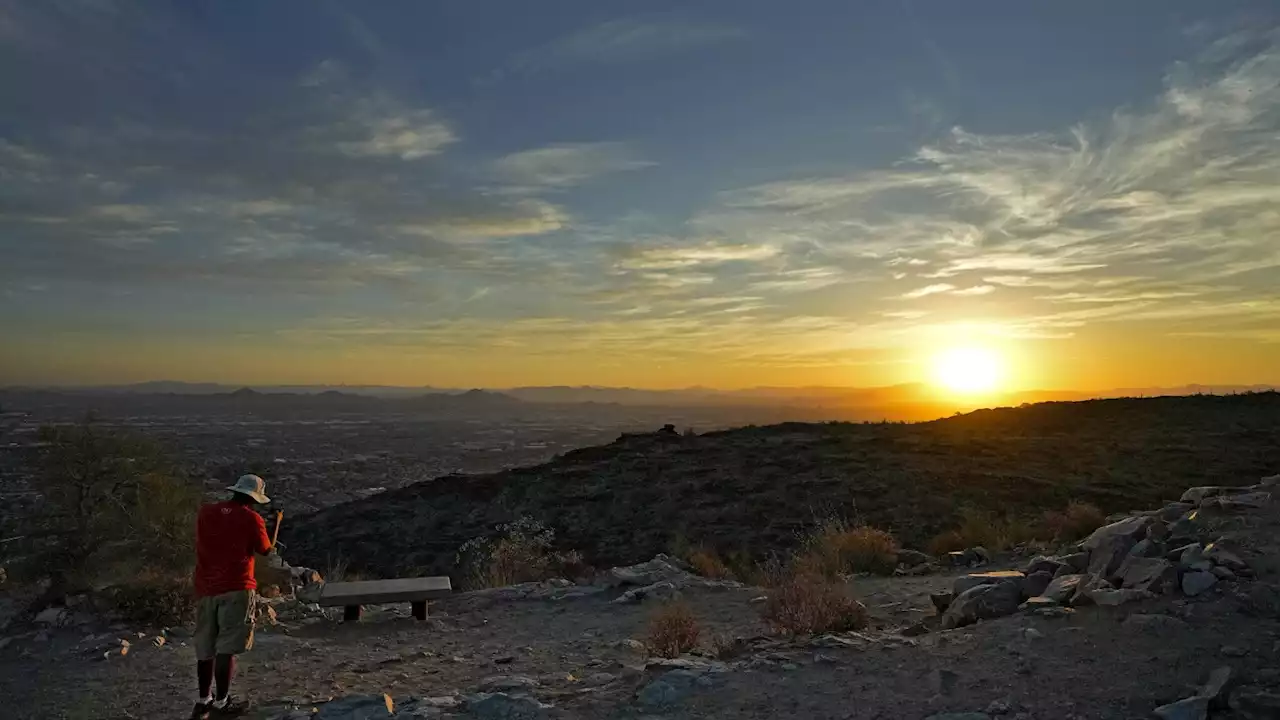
(275, 533)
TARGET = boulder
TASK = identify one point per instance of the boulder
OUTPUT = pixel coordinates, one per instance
(1076, 562)
(649, 572)
(911, 558)
(972, 580)
(1173, 511)
(1235, 503)
(502, 706)
(982, 603)
(1196, 582)
(672, 687)
(1196, 494)
(1036, 583)
(354, 707)
(1147, 548)
(1155, 575)
(1217, 554)
(1062, 588)
(664, 591)
(497, 683)
(1088, 585)
(1042, 563)
(1109, 554)
(941, 600)
(1109, 597)
(1134, 528)
(1192, 708)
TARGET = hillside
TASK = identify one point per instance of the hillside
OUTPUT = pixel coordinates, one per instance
(750, 490)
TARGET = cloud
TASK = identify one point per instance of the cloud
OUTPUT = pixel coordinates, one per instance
(410, 135)
(975, 290)
(710, 253)
(928, 290)
(564, 165)
(627, 39)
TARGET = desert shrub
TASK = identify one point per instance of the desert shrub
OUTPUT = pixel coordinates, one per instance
(521, 552)
(708, 564)
(806, 604)
(673, 631)
(979, 528)
(115, 504)
(153, 600)
(1074, 522)
(836, 548)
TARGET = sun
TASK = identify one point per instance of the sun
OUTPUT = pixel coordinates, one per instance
(968, 370)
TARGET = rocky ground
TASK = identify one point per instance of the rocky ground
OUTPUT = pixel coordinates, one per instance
(1133, 626)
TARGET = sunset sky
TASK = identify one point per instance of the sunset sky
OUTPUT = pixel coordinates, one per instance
(662, 194)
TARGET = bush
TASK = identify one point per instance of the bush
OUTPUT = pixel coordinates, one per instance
(806, 604)
(1074, 523)
(116, 503)
(522, 552)
(155, 600)
(673, 631)
(709, 565)
(836, 548)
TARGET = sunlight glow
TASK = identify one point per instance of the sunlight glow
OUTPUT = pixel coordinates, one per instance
(968, 370)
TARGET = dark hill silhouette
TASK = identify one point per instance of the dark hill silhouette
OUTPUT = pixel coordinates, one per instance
(752, 489)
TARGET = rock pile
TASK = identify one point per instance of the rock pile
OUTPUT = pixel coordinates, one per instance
(1134, 557)
(661, 578)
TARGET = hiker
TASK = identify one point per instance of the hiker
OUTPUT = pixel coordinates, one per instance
(228, 535)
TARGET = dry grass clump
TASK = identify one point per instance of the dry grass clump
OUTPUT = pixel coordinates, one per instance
(673, 631)
(836, 548)
(709, 565)
(1074, 523)
(807, 604)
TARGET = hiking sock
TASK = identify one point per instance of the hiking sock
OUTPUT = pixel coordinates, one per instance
(224, 670)
(204, 678)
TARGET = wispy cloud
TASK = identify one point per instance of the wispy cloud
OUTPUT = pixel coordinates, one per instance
(556, 167)
(628, 39)
(928, 290)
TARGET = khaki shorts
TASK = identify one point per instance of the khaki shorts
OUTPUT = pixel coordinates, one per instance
(224, 624)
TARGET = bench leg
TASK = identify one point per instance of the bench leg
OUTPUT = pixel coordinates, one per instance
(420, 610)
(351, 613)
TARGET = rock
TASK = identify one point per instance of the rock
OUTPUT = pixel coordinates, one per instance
(631, 644)
(355, 707)
(661, 567)
(941, 600)
(1155, 575)
(507, 682)
(1192, 708)
(981, 554)
(1236, 503)
(911, 558)
(1196, 494)
(1062, 588)
(1076, 562)
(1110, 553)
(1036, 604)
(1034, 585)
(1155, 623)
(1030, 634)
(1255, 703)
(1192, 558)
(957, 559)
(42, 637)
(1222, 573)
(1218, 555)
(972, 580)
(999, 707)
(671, 688)
(982, 603)
(1233, 651)
(1173, 511)
(915, 630)
(1107, 597)
(1042, 563)
(1147, 548)
(942, 682)
(5, 642)
(1088, 585)
(1134, 528)
(502, 706)
(158, 641)
(52, 617)
(599, 678)
(1197, 582)
(664, 591)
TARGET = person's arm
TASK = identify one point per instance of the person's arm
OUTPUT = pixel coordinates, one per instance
(261, 543)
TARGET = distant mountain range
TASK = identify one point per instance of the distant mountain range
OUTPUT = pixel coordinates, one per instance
(797, 397)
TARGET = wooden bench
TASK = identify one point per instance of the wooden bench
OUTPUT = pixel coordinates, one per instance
(353, 595)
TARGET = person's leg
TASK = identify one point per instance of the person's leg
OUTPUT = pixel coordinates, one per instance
(224, 669)
(235, 636)
(206, 641)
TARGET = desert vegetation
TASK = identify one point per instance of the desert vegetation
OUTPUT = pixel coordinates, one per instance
(521, 551)
(673, 630)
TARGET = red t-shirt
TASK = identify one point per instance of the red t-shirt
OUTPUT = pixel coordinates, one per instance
(227, 536)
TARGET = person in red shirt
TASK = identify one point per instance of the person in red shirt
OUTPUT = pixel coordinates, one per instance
(228, 535)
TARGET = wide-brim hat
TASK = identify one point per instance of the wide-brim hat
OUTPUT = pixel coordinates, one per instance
(253, 486)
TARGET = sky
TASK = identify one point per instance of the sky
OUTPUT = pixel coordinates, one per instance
(663, 194)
